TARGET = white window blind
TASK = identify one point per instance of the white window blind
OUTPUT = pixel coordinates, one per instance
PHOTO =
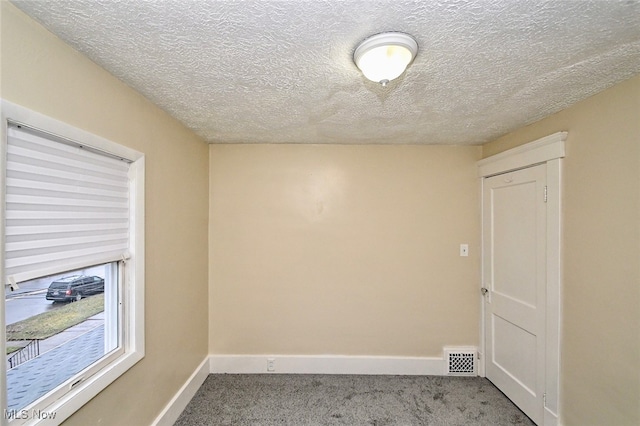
(67, 206)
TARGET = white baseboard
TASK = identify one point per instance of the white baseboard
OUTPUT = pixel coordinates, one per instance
(172, 410)
(326, 364)
(295, 364)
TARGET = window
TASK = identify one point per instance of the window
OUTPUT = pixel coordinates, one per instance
(73, 248)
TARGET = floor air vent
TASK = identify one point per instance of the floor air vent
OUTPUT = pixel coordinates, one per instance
(460, 361)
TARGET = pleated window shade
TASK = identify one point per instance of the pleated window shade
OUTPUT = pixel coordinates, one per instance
(67, 206)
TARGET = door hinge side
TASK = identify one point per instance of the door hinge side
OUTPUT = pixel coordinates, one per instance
(544, 399)
(545, 193)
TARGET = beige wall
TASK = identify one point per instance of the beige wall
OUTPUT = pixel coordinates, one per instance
(600, 368)
(42, 73)
(341, 249)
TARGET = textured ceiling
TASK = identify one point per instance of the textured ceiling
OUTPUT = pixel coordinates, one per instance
(275, 71)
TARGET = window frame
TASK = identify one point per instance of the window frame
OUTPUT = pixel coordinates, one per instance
(133, 278)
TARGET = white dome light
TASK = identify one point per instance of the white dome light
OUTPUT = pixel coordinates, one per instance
(384, 57)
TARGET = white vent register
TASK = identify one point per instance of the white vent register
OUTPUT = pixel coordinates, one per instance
(460, 361)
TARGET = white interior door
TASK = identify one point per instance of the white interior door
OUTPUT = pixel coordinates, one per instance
(514, 275)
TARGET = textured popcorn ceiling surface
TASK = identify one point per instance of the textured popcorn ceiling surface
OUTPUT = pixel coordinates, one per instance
(278, 71)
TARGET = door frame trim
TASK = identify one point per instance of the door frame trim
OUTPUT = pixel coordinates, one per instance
(548, 150)
(537, 152)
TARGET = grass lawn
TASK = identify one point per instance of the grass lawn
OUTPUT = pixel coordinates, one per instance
(49, 323)
(12, 349)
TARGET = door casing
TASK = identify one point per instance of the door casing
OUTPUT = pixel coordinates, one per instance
(549, 150)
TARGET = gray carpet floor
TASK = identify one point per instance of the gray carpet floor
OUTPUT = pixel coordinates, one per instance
(283, 399)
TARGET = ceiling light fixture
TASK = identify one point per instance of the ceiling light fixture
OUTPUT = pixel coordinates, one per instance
(384, 57)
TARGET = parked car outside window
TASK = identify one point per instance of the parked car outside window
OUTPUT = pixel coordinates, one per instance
(74, 288)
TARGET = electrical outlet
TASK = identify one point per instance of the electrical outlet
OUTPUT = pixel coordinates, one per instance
(271, 364)
(464, 250)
